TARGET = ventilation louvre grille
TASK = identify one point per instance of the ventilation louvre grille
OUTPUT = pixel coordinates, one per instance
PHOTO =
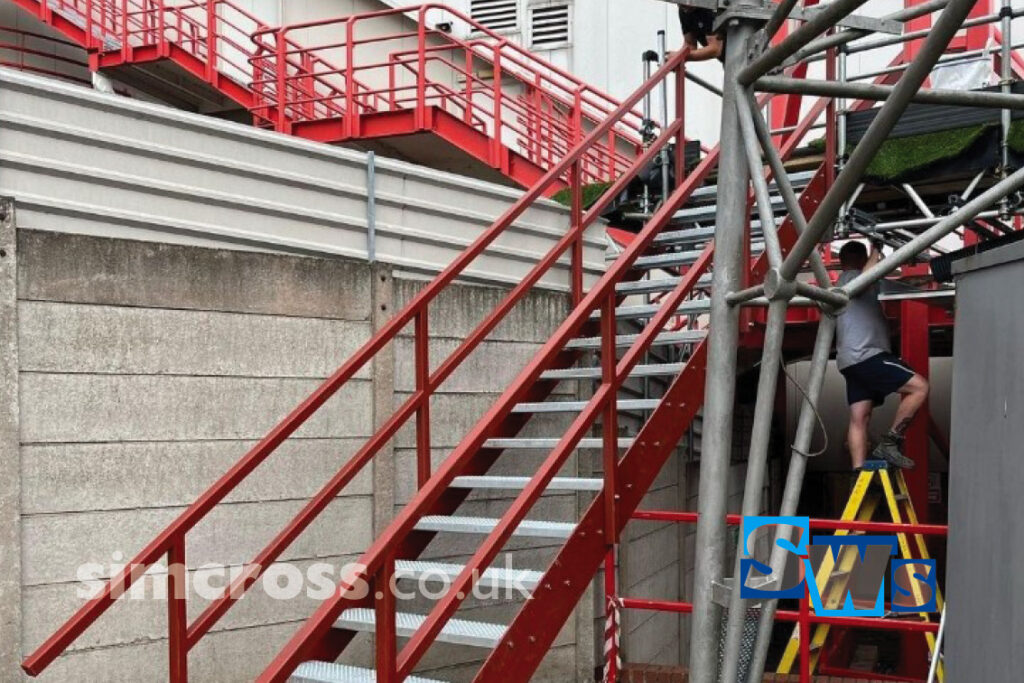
(549, 26)
(497, 15)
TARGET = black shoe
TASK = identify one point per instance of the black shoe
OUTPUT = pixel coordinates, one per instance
(889, 450)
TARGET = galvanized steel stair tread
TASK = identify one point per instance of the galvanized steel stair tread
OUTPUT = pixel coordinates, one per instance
(456, 631)
(646, 311)
(485, 525)
(577, 406)
(660, 285)
(549, 443)
(493, 576)
(679, 337)
(516, 483)
(331, 672)
(655, 370)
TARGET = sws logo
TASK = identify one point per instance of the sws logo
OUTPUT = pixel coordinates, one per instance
(914, 586)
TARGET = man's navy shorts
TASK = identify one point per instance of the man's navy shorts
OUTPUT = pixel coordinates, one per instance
(875, 378)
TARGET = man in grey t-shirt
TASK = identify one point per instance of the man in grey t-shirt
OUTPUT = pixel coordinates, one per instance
(872, 372)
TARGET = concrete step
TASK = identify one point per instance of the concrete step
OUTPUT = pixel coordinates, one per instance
(331, 672)
(518, 483)
(485, 525)
(663, 339)
(657, 370)
(456, 631)
(493, 577)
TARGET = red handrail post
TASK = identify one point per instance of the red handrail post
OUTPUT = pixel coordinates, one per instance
(498, 97)
(468, 115)
(421, 340)
(384, 606)
(177, 614)
(420, 116)
(611, 422)
(351, 110)
(805, 634)
(211, 40)
(126, 51)
(576, 221)
(281, 47)
(681, 115)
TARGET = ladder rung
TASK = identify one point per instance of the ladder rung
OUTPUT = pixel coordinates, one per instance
(661, 285)
(548, 444)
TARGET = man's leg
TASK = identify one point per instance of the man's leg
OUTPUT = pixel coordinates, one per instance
(857, 434)
(913, 394)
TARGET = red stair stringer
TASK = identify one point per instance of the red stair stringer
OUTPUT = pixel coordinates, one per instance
(537, 624)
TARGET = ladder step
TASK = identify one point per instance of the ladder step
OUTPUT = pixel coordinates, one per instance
(663, 339)
(331, 672)
(658, 370)
(548, 444)
(660, 285)
(456, 631)
(648, 311)
(577, 406)
(485, 525)
(492, 577)
(517, 483)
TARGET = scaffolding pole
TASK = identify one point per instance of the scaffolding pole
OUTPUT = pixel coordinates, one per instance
(720, 388)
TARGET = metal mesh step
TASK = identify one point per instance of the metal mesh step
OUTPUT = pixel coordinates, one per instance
(492, 577)
(663, 339)
(695, 307)
(517, 483)
(654, 370)
(548, 444)
(456, 631)
(485, 525)
(330, 672)
(682, 258)
(660, 285)
(577, 406)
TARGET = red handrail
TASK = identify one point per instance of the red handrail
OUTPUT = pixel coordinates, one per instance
(16, 41)
(171, 541)
(276, 55)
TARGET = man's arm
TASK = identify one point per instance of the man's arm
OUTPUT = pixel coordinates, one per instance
(875, 256)
(712, 50)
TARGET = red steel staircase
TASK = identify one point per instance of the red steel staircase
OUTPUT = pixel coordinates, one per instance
(377, 79)
(607, 338)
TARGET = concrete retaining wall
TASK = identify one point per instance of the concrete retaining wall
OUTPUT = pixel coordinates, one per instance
(146, 369)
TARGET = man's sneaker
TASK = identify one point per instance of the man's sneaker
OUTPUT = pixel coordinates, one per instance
(889, 450)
